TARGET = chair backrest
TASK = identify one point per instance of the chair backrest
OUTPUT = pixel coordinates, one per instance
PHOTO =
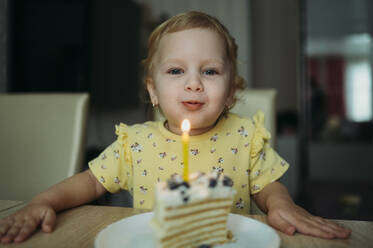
(249, 101)
(42, 141)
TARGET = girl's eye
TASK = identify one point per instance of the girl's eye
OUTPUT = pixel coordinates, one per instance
(175, 71)
(211, 72)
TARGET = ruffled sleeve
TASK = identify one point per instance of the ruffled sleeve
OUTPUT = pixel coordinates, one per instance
(122, 132)
(113, 167)
(260, 137)
(266, 165)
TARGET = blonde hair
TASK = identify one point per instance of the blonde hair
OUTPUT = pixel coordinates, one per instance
(189, 20)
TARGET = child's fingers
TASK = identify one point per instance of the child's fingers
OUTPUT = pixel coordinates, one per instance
(26, 230)
(332, 227)
(326, 228)
(312, 230)
(332, 224)
(304, 224)
(20, 225)
(278, 222)
(48, 221)
(325, 225)
(314, 225)
(4, 226)
(12, 232)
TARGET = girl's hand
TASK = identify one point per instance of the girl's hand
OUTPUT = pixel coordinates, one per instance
(288, 218)
(71, 192)
(20, 225)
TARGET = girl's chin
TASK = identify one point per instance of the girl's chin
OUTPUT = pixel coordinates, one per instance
(201, 130)
(196, 129)
(200, 127)
(199, 122)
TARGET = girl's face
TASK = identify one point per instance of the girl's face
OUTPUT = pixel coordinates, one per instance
(191, 79)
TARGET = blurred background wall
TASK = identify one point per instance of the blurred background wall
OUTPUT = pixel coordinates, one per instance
(3, 44)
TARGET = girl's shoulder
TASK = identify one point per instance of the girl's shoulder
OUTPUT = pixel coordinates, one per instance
(124, 131)
(254, 121)
(254, 128)
(254, 124)
(136, 128)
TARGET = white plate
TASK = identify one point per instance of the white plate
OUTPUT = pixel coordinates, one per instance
(135, 231)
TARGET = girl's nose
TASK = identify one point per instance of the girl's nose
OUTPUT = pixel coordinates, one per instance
(194, 84)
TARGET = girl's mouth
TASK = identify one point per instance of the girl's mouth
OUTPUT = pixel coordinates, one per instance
(192, 105)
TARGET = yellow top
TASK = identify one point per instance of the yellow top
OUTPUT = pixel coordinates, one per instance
(144, 154)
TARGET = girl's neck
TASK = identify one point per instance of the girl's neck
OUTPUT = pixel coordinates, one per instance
(193, 131)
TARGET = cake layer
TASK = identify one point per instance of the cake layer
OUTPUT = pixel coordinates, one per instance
(185, 225)
(208, 218)
(177, 193)
(192, 231)
(167, 213)
(194, 212)
(199, 211)
(206, 201)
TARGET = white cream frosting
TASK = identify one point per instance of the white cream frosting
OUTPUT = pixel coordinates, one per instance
(199, 189)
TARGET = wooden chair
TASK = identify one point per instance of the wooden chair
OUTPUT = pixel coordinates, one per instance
(42, 141)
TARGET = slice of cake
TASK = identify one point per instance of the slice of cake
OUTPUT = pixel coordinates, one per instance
(194, 213)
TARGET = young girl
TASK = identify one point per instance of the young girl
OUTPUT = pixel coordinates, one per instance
(190, 74)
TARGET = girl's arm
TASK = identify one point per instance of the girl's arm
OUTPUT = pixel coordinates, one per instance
(71, 192)
(286, 216)
(41, 210)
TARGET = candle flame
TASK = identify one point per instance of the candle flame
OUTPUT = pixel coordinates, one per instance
(185, 125)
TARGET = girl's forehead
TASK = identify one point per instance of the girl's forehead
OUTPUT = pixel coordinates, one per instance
(201, 42)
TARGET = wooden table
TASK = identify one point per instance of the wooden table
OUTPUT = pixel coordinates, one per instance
(79, 226)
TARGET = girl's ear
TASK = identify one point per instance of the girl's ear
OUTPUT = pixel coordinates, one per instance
(152, 92)
(230, 99)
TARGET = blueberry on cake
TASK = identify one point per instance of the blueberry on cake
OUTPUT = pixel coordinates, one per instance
(193, 213)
